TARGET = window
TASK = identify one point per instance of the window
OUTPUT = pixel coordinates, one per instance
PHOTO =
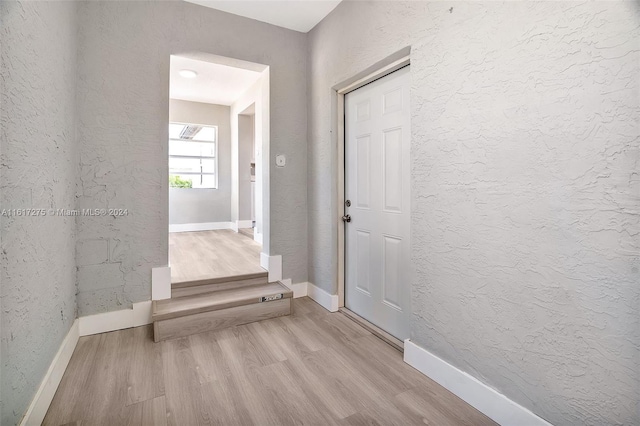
(193, 161)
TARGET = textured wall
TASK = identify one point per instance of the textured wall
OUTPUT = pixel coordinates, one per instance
(204, 205)
(123, 103)
(525, 159)
(38, 163)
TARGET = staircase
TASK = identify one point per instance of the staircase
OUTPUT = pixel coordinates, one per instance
(213, 304)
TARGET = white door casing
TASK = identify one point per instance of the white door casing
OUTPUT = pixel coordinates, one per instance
(377, 185)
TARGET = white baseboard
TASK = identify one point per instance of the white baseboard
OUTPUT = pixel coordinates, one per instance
(273, 264)
(324, 299)
(299, 289)
(194, 227)
(244, 224)
(41, 401)
(161, 283)
(140, 314)
(485, 399)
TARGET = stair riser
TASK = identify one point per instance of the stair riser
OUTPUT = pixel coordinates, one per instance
(216, 320)
(209, 288)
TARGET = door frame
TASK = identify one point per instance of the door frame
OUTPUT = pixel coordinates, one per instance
(393, 63)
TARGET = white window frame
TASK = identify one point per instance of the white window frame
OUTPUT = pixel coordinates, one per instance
(215, 155)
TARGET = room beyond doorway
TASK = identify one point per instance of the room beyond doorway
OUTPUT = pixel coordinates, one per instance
(217, 184)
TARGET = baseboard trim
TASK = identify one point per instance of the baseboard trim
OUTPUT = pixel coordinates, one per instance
(324, 299)
(205, 226)
(299, 289)
(49, 385)
(138, 315)
(485, 399)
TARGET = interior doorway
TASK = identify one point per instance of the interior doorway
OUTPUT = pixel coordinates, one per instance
(377, 258)
(217, 135)
(247, 195)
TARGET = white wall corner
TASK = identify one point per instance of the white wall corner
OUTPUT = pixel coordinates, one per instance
(485, 399)
(49, 385)
(264, 261)
(257, 237)
(161, 283)
(242, 224)
(275, 268)
(273, 264)
(205, 226)
(324, 299)
(299, 289)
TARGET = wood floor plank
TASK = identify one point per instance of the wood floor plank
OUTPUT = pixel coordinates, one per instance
(72, 385)
(104, 394)
(207, 355)
(321, 389)
(152, 412)
(211, 254)
(260, 333)
(184, 399)
(431, 400)
(313, 368)
(145, 378)
(256, 402)
(226, 402)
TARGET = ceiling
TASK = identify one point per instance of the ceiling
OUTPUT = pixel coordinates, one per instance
(299, 15)
(215, 83)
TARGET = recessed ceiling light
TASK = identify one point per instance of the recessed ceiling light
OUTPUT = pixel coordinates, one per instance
(188, 74)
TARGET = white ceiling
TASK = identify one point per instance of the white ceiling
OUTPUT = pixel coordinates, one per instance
(215, 83)
(299, 15)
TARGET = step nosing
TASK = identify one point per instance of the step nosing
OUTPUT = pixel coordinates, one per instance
(253, 296)
(218, 280)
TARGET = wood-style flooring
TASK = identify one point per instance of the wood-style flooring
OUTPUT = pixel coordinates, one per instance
(212, 254)
(246, 231)
(314, 367)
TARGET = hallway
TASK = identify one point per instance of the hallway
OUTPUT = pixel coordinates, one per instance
(314, 367)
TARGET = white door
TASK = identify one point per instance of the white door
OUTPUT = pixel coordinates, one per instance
(377, 190)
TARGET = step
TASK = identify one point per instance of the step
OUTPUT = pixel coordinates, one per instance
(208, 285)
(179, 317)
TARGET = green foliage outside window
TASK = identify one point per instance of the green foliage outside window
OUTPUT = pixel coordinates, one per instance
(176, 181)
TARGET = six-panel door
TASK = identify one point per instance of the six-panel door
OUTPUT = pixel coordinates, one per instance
(377, 183)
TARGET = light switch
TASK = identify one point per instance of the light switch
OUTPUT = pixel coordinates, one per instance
(281, 160)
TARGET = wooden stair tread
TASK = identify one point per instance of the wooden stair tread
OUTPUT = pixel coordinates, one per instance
(173, 308)
(217, 280)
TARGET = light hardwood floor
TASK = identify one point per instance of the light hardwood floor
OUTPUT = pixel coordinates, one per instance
(212, 254)
(313, 367)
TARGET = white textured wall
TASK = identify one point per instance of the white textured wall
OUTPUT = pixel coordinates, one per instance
(525, 190)
(194, 205)
(38, 163)
(123, 100)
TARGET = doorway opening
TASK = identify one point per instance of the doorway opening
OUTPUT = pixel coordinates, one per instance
(218, 182)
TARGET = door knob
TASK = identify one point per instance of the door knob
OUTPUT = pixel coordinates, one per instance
(346, 218)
